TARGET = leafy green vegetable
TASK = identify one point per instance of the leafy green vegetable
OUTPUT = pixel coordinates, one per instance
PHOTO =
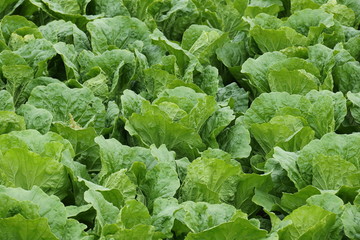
(179, 119)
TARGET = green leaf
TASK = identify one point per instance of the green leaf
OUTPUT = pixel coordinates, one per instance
(319, 113)
(18, 227)
(154, 127)
(39, 81)
(120, 181)
(162, 181)
(236, 141)
(203, 41)
(107, 8)
(106, 212)
(69, 58)
(206, 78)
(49, 207)
(210, 180)
(355, 6)
(98, 85)
(8, 141)
(37, 53)
(71, 106)
(293, 82)
(130, 103)
(238, 229)
(138, 8)
(112, 196)
(245, 190)
(134, 213)
(268, 201)
(115, 67)
(7, 102)
(215, 124)
(331, 173)
(11, 207)
(303, 227)
(297, 5)
(139, 232)
(331, 203)
(174, 17)
(156, 81)
(233, 96)
(345, 74)
(82, 141)
(163, 216)
(310, 22)
(350, 218)
(327, 201)
(48, 145)
(74, 230)
(339, 104)
(333, 147)
(67, 32)
(197, 117)
(342, 13)
(270, 34)
(322, 116)
(73, 7)
(233, 54)
(286, 131)
(115, 156)
(118, 32)
(270, 40)
(267, 105)
(355, 105)
(184, 59)
(201, 216)
(257, 69)
(36, 118)
(23, 36)
(18, 77)
(288, 162)
(269, 6)
(10, 24)
(292, 201)
(323, 58)
(8, 7)
(26, 169)
(9, 121)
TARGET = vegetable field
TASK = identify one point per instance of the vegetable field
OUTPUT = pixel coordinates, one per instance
(179, 119)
